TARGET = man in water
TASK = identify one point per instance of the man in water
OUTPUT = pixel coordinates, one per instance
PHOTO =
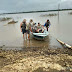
(23, 27)
(47, 24)
(31, 24)
(29, 27)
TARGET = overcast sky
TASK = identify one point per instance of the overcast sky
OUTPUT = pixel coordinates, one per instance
(31, 5)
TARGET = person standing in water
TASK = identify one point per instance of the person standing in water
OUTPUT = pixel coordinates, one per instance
(29, 28)
(23, 27)
(31, 23)
(47, 24)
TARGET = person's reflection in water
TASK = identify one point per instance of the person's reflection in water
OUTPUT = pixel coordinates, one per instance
(41, 44)
(37, 44)
(26, 43)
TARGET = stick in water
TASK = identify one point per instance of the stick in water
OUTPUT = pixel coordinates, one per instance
(67, 45)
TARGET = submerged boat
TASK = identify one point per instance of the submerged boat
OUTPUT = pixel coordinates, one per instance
(41, 36)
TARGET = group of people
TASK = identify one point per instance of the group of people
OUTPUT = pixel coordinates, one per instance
(27, 27)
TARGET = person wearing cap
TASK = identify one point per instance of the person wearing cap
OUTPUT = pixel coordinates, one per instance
(47, 24)
(23, 27)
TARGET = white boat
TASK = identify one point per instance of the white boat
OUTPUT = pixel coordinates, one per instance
(41, 36)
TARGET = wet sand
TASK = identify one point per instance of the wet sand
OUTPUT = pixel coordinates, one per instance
(36, 60)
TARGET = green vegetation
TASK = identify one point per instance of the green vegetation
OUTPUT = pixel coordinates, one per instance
(37, 11)
(70, 13)
(48, 15)
(5, 19)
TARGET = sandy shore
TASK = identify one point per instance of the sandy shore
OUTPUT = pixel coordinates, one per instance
(36, 60)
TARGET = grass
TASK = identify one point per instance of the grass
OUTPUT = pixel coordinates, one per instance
(70, 13)
(45, 15)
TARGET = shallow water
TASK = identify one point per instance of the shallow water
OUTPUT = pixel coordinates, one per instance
(11, 36)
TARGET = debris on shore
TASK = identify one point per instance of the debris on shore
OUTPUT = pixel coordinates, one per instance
(12, 22)
(64, 44)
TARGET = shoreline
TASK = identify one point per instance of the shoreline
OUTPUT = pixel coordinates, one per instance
(36, 60)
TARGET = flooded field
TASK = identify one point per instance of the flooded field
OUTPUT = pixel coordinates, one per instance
(19, 55)
(10, 34)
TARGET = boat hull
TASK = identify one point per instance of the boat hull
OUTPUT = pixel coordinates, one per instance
(40, 36)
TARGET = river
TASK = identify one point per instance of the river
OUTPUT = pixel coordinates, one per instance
(11, 36)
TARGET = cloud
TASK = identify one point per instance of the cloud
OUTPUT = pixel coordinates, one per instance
(29, 5)
(66, 0)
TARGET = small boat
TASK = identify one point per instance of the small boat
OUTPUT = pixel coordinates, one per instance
(41, 36)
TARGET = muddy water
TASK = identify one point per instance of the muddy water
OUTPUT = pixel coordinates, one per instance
(10, 35)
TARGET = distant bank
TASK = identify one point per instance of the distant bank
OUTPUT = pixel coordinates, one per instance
(37, 11)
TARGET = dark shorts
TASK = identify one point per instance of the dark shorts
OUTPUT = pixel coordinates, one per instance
(28, 31)
(23, 31)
